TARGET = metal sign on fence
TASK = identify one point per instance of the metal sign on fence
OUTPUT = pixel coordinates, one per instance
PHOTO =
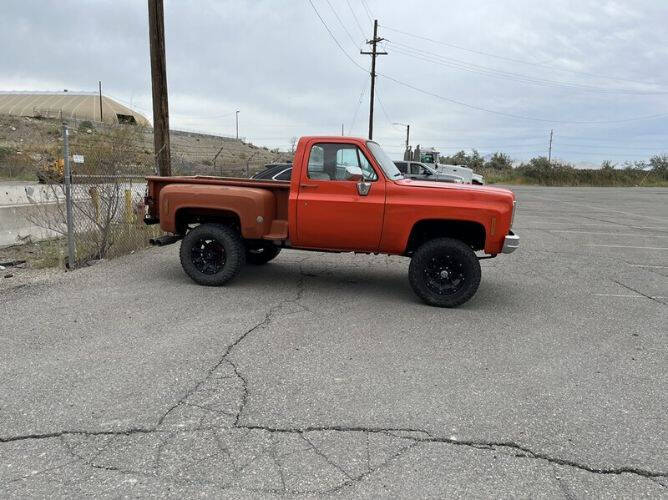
(78, 158)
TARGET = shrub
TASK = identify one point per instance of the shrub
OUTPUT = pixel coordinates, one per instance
(85, 125)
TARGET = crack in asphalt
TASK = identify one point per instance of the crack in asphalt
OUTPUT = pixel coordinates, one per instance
(325, 457)
(638, 292)
(416, 436)
(525, 452)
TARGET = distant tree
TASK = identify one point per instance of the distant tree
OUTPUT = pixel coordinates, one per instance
(473, 160)
(607, 165)
(293, 144)
(499, 161)
(459, 158)
(659, 164)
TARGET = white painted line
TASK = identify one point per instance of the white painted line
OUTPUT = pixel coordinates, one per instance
(611, 234)
(645, 265)
(627, 246)
(591, 207)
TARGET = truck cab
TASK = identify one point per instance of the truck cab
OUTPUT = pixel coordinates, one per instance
(345, 195)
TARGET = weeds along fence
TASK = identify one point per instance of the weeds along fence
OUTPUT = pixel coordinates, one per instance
(95, 195)
(93, 198)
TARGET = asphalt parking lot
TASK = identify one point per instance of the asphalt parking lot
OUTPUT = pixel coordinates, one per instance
(323, 374)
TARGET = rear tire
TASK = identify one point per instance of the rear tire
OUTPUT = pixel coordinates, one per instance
(212, 254)
(444, 272)
(261, 253)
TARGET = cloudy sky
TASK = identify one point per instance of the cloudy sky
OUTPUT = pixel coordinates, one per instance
(490, 75)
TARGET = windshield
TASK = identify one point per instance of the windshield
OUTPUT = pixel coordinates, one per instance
(385, 162)
(428, 158)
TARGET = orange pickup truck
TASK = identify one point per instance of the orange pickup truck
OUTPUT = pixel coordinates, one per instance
(345, 195)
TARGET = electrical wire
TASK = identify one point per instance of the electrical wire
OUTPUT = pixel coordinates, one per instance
(476, 107)
(338, 44)
(359, 103)
(510, 59)
(359, 26)
(512, 115)
(367, 10)
(382, 107)
(356, 44)
(432, 57)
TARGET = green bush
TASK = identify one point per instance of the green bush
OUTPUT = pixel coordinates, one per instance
(85, 125)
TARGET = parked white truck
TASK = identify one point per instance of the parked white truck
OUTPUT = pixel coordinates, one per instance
(430, 157)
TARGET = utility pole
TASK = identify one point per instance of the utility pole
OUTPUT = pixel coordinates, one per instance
(342, 129)
(237, 124)
(373, 42)
(549, 155)
(99, 83)
(408, 132)
(156, 34)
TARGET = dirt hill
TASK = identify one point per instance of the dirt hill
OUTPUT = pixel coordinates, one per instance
(27, 144)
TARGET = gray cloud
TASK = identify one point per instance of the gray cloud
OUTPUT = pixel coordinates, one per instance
(275, 62)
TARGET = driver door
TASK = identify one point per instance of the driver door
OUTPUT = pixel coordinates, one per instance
(331, 212)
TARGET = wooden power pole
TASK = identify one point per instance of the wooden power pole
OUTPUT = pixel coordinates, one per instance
(156, 33)
(549, 154)
(373, 42)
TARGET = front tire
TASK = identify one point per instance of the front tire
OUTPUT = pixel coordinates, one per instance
(212, 254)
(261, 253)
(444, 272)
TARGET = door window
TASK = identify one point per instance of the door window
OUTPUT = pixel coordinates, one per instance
(332, 162)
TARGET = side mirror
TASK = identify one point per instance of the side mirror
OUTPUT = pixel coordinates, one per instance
(354, 174)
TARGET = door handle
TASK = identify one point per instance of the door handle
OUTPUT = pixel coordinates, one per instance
(309, 185)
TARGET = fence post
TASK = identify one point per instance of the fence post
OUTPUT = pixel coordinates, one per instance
(68, 198)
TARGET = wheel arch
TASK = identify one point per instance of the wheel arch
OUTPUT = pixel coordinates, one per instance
(186, 215)
(470, 232)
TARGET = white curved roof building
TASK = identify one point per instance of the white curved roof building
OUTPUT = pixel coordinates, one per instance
(68, 105)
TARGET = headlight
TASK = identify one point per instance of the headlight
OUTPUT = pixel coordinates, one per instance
(512, 217)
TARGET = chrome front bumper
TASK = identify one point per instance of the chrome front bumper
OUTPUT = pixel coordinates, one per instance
(511, 243)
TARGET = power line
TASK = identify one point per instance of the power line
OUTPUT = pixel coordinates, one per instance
(367, 10)
(432, 57)
(356, 44)
(382, 107)
(511, 115)
(510, 59)
(472, 106)
(359, 26)
(357, 108)
(334, 38)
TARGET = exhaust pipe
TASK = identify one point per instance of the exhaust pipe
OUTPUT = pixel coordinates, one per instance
(167, 239)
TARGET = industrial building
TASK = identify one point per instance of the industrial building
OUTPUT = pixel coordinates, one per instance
(69, 105)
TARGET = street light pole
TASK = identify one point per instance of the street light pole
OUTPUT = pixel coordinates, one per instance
(237, 124)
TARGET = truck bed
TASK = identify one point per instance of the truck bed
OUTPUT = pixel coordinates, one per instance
(277, 203)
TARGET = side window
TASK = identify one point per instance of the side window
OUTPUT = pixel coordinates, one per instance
(332, 162)
(415, 169)
(402, 167)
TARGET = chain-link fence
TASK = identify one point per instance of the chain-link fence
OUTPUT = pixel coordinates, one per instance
(98, 208)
